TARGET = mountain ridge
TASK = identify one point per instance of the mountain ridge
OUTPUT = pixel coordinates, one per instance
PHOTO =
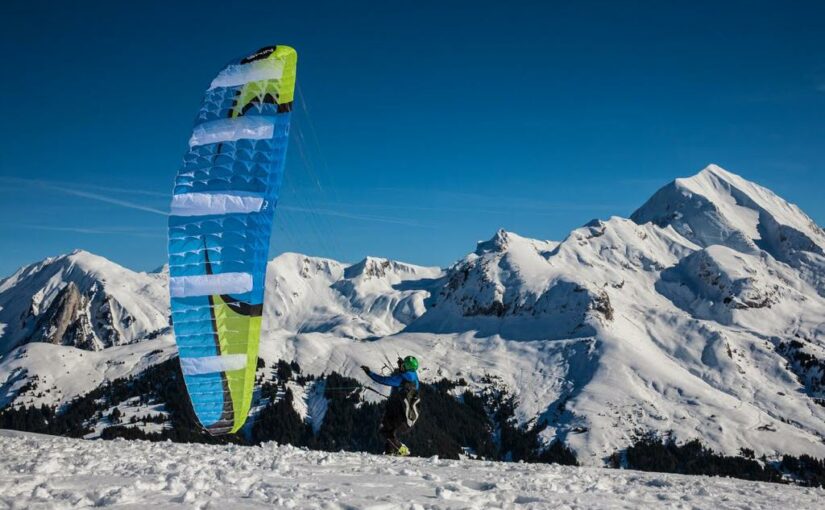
(702, 315)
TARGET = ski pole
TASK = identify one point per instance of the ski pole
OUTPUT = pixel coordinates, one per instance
(376, 391)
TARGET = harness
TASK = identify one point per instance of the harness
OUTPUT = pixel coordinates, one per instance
(411, 399)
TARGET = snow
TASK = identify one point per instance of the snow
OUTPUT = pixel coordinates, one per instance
(668, 322)
(48, 472)
(68, 372)
(373, 298)
(718, 207)
(716, 182)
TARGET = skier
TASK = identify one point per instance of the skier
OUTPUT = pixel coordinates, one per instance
(402, 406)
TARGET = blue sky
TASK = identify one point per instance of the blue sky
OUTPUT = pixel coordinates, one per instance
(423, 126)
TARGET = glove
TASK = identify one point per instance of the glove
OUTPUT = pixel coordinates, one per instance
(366, 369)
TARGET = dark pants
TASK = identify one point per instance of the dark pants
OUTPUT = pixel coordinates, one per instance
(393, 424)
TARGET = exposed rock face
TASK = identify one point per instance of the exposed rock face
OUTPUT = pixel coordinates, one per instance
(66, 322)
(90, 321)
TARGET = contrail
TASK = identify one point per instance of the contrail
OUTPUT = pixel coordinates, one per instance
(110, 200)
(132, 231)
(60, 187)
(84, 193)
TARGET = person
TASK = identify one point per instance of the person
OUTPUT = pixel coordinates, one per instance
(402, 406)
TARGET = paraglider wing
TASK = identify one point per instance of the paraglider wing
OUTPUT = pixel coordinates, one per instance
(220, 222)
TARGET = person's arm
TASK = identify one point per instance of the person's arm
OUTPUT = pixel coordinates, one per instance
(392, 380)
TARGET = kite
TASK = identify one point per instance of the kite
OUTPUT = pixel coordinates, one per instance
(220, 222)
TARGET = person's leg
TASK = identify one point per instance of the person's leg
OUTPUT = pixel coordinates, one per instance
(393, 443)
(401, 429)
(387, 433)
(392, 421)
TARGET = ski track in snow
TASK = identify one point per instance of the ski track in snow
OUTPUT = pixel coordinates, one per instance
(39, 471)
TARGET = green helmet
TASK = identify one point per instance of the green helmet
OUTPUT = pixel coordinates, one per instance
(410, 363)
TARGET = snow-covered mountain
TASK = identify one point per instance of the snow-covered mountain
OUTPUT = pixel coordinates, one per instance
(716, 207)
(81, 300)
(79, 320)
(373, 298)
(701, 316)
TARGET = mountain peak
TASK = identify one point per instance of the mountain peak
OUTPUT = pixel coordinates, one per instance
(733, 199)
(379, 267)
(718, 207)
(85, 258)
(497, 243)
(505, 241)
(713, 179)
(369, 267)
(715, 169)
